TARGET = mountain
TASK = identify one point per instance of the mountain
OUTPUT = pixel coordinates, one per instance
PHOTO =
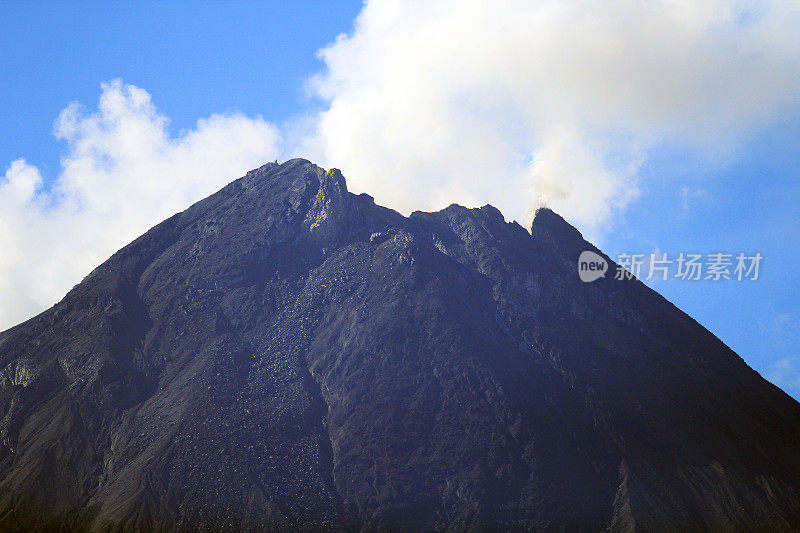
(287, 355)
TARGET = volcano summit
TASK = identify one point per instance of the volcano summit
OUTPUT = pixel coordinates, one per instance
(287, 355)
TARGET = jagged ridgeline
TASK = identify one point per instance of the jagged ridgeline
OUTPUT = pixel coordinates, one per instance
(287, 355)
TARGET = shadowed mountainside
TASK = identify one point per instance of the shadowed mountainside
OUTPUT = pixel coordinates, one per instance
(287, 355)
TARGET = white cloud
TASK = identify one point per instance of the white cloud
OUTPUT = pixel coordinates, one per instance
(520, 103)
(688, 196)
(122, 174)
(514, 103)
(785, 373)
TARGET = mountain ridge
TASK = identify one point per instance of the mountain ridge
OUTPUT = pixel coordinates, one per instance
(285, 354)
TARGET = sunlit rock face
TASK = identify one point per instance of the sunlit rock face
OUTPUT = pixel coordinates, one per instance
(287, 355)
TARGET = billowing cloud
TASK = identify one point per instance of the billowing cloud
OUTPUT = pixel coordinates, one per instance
(522, 103)
(516, 103)
(122, 174)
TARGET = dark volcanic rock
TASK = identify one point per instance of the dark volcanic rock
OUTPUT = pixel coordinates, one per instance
(285, 354)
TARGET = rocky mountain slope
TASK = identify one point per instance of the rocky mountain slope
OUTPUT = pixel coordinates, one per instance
(287, 355)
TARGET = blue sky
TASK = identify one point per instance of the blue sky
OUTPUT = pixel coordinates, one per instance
(195, 59)
(734, 187)
(750, 205)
